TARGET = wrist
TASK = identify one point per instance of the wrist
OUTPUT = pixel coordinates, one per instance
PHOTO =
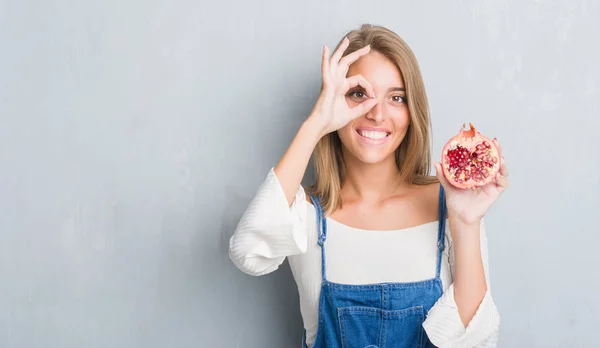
(464, 217)
(464, 228)
(313, 126)
(467, 222)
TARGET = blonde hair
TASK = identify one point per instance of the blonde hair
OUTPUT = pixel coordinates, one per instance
(413, 156)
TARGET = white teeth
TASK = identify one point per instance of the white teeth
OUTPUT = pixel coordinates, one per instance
(373, 134)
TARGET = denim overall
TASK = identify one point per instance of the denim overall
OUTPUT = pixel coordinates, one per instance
(383, 315)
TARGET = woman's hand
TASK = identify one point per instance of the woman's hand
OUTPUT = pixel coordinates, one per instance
(331, 111)
(470, 205)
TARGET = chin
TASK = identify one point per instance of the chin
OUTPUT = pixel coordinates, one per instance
(372, 157)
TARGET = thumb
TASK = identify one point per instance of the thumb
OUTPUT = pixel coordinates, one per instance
(441, 177)
(363, 108)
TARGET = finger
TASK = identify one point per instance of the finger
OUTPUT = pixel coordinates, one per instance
(502, 181)
(503, 168)
(337, 55)
(345, 62)
(495, 141)
(497, 145)
(362, 108)
(325, 65)
(359, 80)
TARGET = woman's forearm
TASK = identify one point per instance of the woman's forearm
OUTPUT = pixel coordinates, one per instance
(470, 284)
(292, 165)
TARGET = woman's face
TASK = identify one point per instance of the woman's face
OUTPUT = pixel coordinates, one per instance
(374, 136)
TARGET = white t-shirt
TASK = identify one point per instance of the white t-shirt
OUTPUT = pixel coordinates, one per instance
(270, 231)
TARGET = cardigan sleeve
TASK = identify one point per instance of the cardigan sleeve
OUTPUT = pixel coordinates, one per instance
(443, 324)
(269, 230)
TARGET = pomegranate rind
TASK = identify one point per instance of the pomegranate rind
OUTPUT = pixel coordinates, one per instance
(469, 139)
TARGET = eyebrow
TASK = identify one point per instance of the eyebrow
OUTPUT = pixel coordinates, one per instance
(394, 89)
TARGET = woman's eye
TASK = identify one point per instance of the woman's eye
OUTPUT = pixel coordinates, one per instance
(357, 94)
(398, 98)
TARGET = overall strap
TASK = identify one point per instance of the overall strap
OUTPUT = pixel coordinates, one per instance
(322, 228)
(441, 231)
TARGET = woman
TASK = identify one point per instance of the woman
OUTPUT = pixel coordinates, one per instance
(383, 254)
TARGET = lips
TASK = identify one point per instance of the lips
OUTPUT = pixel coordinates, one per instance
(373, 136)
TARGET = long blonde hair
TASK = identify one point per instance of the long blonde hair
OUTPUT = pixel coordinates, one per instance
(413, 156)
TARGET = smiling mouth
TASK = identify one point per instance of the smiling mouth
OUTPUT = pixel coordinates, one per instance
(373, 135)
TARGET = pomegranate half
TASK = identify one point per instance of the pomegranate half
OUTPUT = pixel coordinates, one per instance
(469, 159)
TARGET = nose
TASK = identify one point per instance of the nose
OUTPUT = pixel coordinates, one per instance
(376, 113)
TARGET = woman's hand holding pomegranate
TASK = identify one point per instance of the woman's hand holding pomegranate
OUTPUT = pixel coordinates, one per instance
(473, 174)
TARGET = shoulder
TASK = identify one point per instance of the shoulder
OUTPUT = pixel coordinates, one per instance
(429, 193)
(425, 199)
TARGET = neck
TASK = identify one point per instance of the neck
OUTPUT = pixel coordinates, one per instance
(370, 183)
